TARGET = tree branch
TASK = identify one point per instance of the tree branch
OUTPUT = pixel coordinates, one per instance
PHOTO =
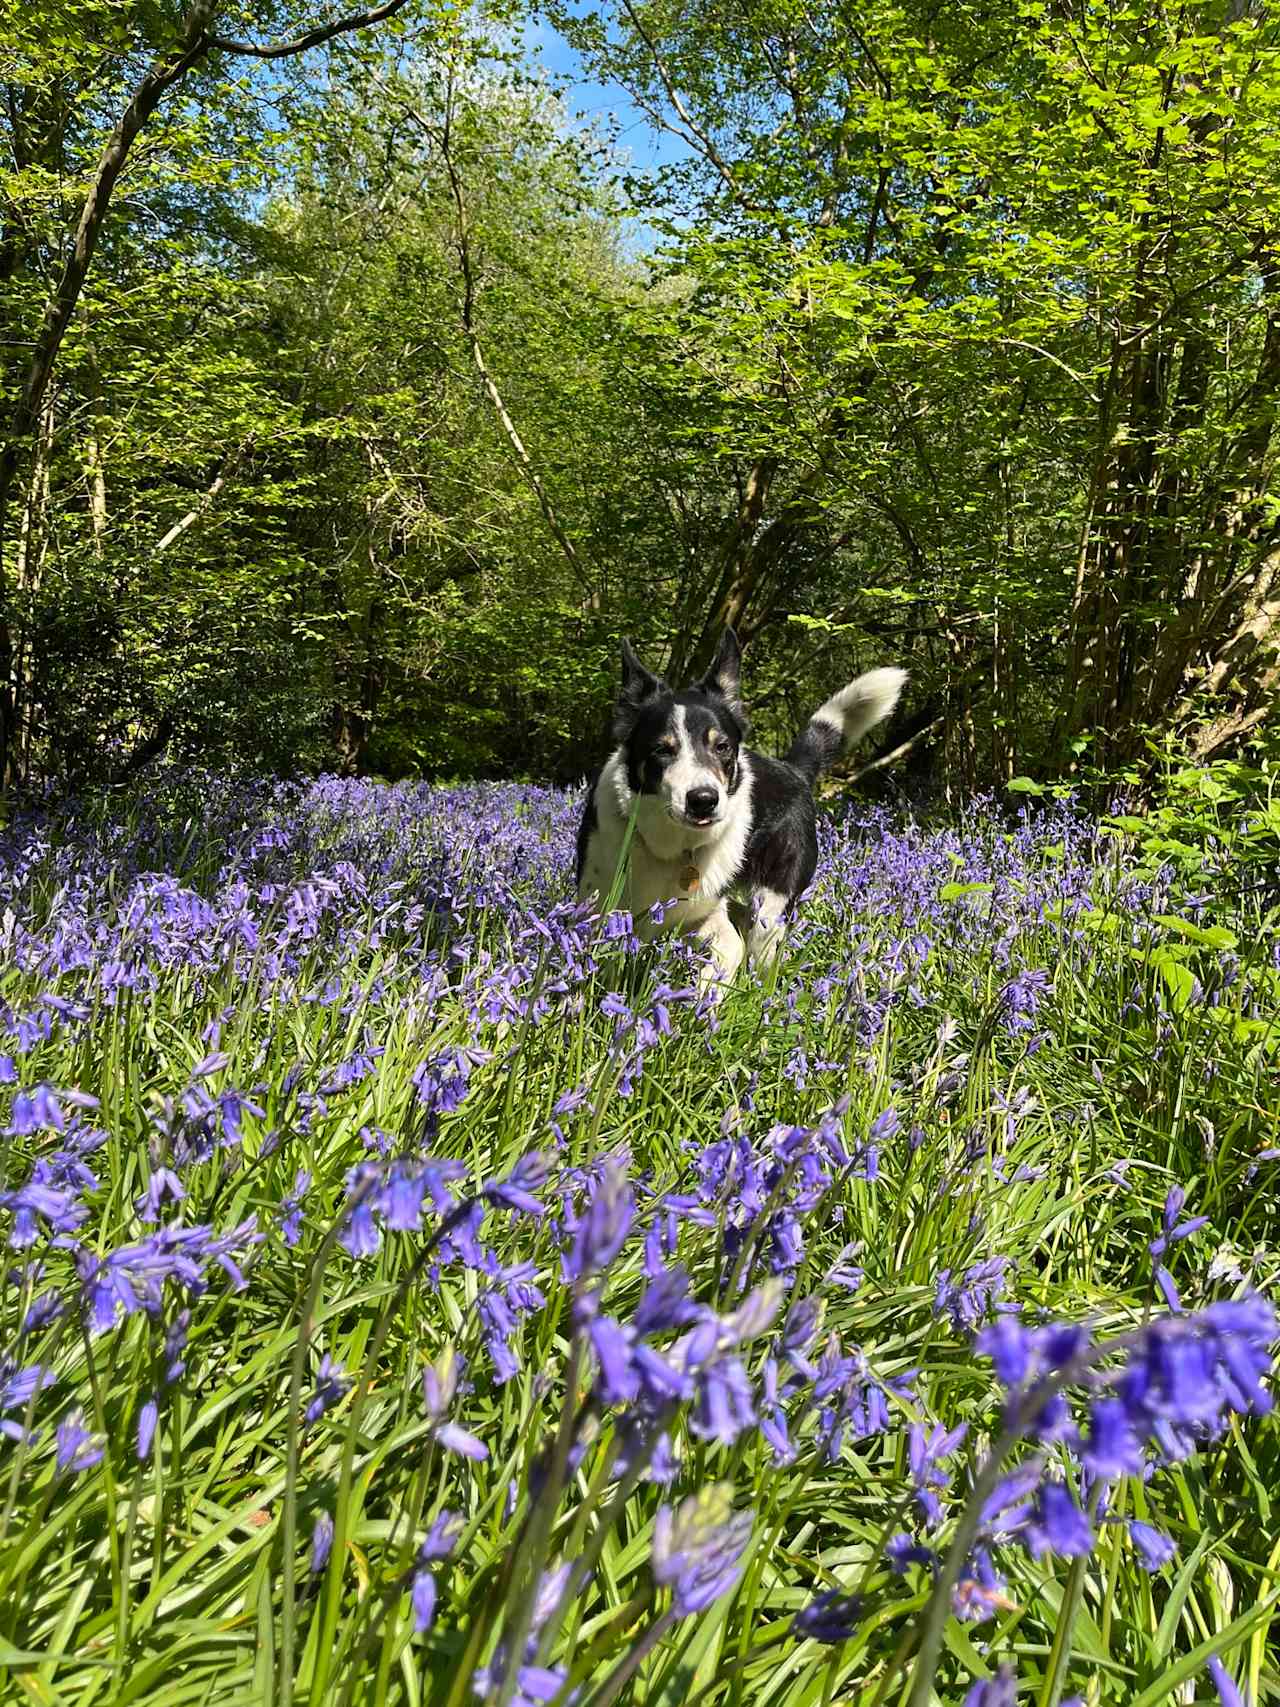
(440, 137)
(309, 38)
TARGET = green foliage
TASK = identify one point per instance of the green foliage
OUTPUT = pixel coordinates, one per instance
(955, 344)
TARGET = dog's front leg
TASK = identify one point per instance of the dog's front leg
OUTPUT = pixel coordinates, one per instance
(768, 926)
(727, 948)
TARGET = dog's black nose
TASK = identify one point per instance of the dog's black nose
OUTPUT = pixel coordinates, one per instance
(701, 802)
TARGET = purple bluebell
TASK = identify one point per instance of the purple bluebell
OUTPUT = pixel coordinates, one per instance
(981, 1591)
(698, 1548)
(665, 1303)
(1112, 1447)
(498, 1324)
(19, 1386)
(457, 1440)
(1020, 999)
(45, 1308)
(1001, 1690)
(831, 1617)
(901, 1551)
(1229, 1692)
(422, 1593)
(148, 1417)
(321, 1543)
(77, 1449)
(968, 1300)
(442, 1537)
(924, 1454)
(332, 1384)
(1153, 1548)
(1173, 1230)
(163, 1187)
(725, 1405)
(1057, 1524)
(35, 1111)
(604, 1224)
(291, 1211)
(359, 1235)
(518, 1190)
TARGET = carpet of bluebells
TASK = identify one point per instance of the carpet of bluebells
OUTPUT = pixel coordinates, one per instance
(415, 1290)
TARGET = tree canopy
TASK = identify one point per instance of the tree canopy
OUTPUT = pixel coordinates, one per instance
(359, 395)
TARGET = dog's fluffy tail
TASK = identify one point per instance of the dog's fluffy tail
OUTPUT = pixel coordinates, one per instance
(844, 719)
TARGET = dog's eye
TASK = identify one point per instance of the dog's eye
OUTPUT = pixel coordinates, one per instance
(665, 749)
(721, 746)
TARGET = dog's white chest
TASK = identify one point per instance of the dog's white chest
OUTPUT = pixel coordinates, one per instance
(666, 867)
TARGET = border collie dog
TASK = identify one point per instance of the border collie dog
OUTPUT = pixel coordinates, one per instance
(716, 823)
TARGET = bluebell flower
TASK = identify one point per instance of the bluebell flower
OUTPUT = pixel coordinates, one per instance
(1173, 1230)
(981, 1591)
(1021, 997)
(665, 1303)
(1112, 1448)
(698, 1548)
(1153, 1549)
(725, 1404)
(998, 1691)
(211, 1064)
(163, 1187)
(801, 1328)
(1057, 1524)
(517, 1191)
(901, 1551)
(422, 1594)
(291, 1209)
(604, 1225)
(968, 1299)
(830, 1617)
(77, 1449)
(175, 1345)
(332, 1383)
(924, 1453)
(456, 1439)
(498, 1324)
(535, 1685)
(321, 1543)
(148, 1417)
(401, 1196)
(44, 1309)
(442, 1537)
(1229, 1692)
(19, 1386)
(359, 1235)
(612, 1344)
(440, 1381)
(35, 1111)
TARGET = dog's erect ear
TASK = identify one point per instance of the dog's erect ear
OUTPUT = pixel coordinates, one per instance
(638, 685)
(725, 675)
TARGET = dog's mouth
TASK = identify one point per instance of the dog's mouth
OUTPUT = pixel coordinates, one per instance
(693, 821)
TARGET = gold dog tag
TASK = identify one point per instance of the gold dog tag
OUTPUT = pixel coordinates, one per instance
(690, 878)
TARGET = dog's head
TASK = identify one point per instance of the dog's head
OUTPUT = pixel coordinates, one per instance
(682, 749)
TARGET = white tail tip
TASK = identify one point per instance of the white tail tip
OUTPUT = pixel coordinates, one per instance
(863, 703)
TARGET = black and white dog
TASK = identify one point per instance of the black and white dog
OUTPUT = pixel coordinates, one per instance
(716, 822)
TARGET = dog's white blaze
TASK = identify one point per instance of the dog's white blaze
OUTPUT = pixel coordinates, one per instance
(862, 704)
(688, 770)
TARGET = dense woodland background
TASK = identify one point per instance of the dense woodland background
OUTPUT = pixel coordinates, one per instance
(357, 398)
